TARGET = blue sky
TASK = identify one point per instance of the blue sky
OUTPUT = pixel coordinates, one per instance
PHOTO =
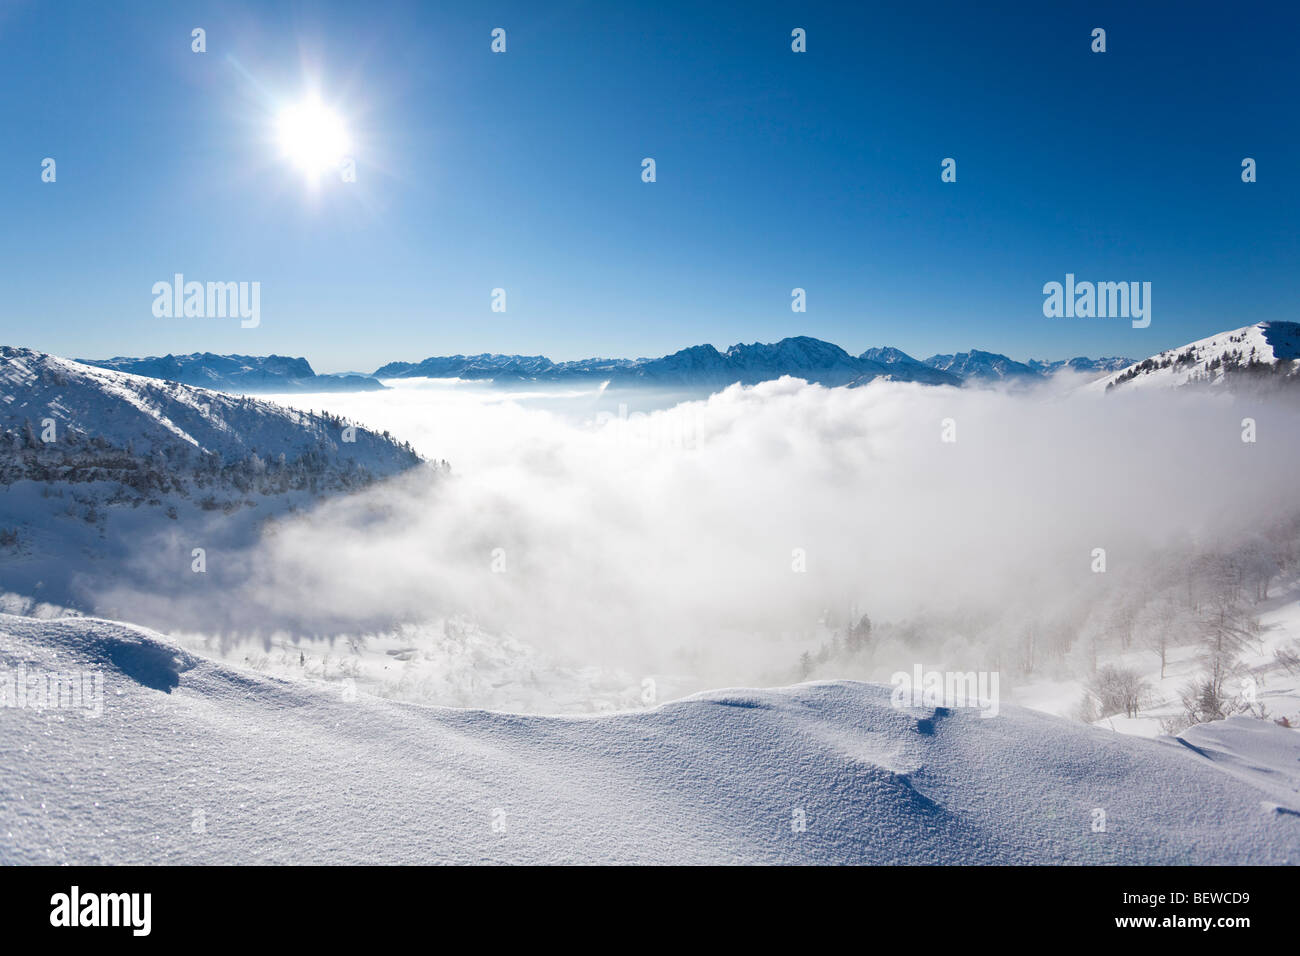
(522, 171)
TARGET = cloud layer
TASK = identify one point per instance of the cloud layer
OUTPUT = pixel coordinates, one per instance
(704, 537)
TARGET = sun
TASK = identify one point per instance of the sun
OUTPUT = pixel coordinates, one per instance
(313, 137)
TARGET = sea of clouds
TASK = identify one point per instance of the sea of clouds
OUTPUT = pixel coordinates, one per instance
(707, 538)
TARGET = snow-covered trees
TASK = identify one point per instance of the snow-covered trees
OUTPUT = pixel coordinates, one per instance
(1191, 602)
(1117, 690)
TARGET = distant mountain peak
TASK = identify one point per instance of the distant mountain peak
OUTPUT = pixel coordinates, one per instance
(978, 365)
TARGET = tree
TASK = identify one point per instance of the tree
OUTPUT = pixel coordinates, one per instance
(1122, 620)
(859, 635)
(1258, 565)
(1160, 624)
(1225, 631)
(805, 666)
(1117, 690)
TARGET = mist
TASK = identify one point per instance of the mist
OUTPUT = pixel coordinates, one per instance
(712, 538)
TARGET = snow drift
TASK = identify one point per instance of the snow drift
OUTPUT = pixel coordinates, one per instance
(230, 767)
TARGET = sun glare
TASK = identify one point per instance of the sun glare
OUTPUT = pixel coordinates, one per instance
(313, 137)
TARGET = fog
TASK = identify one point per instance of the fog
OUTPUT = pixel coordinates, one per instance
(707, 538)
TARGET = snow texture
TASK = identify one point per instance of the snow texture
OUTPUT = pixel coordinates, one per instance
(193, 761)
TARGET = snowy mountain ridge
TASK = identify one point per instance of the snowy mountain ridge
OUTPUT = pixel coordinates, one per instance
(246, 374)
(100, 470)
(82, 409)
(801, 356)
(1266, 353)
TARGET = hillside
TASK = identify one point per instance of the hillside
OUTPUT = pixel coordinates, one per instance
(97, 467)
(243, 374)
(1260, 355)
(191, 761)
(79, 420)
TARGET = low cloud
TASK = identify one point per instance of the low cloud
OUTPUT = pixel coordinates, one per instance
(705, 537)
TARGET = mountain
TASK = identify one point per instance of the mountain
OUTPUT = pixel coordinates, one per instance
(800, 356)
(1087, 366)
(1260, 355)
(700, 365)
(91, 409)
(980, 366)
(266, 770)
(804, 357)
(905, 368)
(102, 471)
(705, 366)
(245, 374)
(484, 366)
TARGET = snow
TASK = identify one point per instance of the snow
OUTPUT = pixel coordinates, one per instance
(1258, 752)
(1269, 343)
(983, 366)
(237, 373)
(196, 761)
(119, 407)
(137, 476)
(1275, 689)
(298, 751)
(704, 366)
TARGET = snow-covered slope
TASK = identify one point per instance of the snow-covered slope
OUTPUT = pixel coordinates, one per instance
(191, 761)
(1267, 352)
(104, 407)
(244, 374)
(1263, 674)
(100, 469)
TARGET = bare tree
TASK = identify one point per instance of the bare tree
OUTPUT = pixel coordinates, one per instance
(1117, 690)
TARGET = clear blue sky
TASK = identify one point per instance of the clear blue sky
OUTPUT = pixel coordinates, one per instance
(775, 170)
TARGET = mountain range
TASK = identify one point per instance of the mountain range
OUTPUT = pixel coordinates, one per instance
(800, 356)
(697, 366)
(1229, 354)
(246, 374)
